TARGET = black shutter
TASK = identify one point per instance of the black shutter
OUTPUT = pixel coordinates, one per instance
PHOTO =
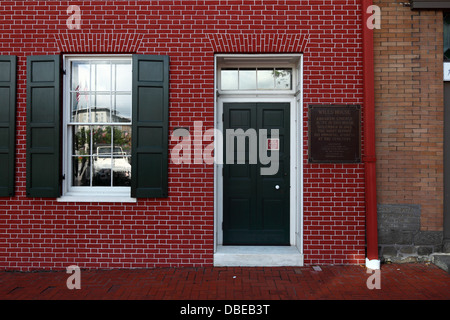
(149, 175)
(7, 124)
(43, 126)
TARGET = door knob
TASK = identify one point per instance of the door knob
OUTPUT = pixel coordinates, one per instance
(277, 187)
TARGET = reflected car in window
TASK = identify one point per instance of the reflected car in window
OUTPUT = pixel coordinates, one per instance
(105, 162)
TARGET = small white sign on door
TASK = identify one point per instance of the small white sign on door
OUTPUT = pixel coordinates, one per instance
(446, 71)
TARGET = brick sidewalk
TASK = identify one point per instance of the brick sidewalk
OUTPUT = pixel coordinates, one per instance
(398, 282)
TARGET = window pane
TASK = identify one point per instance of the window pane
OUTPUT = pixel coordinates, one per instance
(121, 108)
(101, 76)
(265, 79)
(102, 172)
(81, 171)
(101, 108)
(247, 79)
(91, 107)
(101, 136)
(102, 156)
(121, 171)
(80, 76)
(122, 156)
(229, 79)
(123, 77)
(283, 79)
(122, 140)
(79, 107)
(81, 141)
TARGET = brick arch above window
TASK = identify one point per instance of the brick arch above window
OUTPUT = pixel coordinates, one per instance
(98, 42)
(261, 43)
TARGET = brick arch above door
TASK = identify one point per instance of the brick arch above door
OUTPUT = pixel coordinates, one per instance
(261, 43)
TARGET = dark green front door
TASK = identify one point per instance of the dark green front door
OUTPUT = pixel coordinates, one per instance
(256, 206)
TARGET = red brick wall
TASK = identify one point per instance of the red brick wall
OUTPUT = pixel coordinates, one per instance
(409, 97)
(178, 231)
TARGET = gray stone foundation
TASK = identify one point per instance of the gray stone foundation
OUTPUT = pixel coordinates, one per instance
(400, 238)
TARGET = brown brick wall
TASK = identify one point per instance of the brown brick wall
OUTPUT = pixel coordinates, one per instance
(410, 109)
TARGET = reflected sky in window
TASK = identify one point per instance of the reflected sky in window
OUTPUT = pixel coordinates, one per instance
(101, 91)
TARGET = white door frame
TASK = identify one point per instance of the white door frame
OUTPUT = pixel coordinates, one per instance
(265, 255)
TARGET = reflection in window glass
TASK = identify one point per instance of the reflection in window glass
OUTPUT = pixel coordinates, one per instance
(229, 79)
(265, 79)
(247, 79)
(256, 79)
(81, 173)
(101, 76)
(101, 157)
(108, 96)
(80, 76)
(283, 78)
(121, 108)
(123, 79)
(100, 108)
(121, 156)
(111, 160)
(100, 123)
(80, 107)
(81, 136)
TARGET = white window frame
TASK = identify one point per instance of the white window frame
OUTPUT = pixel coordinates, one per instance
(84, 193)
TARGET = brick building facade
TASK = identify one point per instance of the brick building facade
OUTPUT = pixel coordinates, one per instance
(81, 77)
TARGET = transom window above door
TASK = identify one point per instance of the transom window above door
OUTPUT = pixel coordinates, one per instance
(256, 78)
(258, 74)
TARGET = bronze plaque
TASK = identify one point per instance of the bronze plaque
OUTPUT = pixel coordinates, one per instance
(334, 133)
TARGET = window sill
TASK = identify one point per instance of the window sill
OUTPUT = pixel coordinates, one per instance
(96, 198)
